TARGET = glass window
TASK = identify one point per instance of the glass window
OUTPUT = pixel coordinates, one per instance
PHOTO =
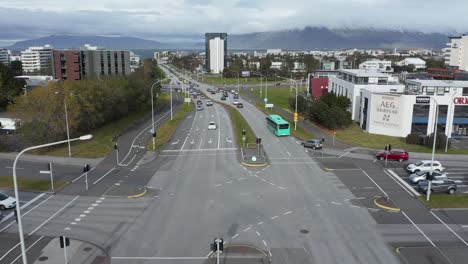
(465, 91)
(3, 196)
(440, 90)
(284, 126)
(430, 90)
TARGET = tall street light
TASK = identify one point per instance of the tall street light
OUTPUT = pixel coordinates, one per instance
(266, 85)
(450, 124)
(66, 122)
(15, 185)
(152, 111)
(434, 133)
(295, 87)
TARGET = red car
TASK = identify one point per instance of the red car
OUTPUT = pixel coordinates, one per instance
(199, 102)
(194, 97)
(394, 154)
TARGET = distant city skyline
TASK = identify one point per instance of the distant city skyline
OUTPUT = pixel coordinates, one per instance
(182, 20)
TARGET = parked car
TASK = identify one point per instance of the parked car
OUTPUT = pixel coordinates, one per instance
(209, 103)
(312, 143)
(394, 154)
(240, 105)
(424, 165)
(212, 126)
(199, 102)
(6, 201)
(422, 175)
(447, 186)
(199, 107)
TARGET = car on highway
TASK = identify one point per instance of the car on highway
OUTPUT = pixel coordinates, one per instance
(209, 103)
(6, 201)
(240, 105)
(194, 96)
(212, 126)
(236, 96)
(199, 102)
(202, 96)
(312, 143)
(424, 165)
(394, 154)
(441, 186)
(223, 98)
(213, 92)
(422, 175)
(199, 107)
(235, 102)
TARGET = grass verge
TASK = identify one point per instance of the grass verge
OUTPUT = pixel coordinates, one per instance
(164, 132)
(238, 124)
(353, 135)
(101, 144)
(28, 184)
(446, 201)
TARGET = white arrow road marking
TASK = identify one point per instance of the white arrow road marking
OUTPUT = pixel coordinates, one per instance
(175, 143)
(192, 142)
(209, 141)
(228, 140)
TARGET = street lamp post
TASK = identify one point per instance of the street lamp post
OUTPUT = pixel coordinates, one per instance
(261, 84)
(152, 110)
(434, 133)
(295, 87)
(15, 186)
(66, 122)
(450, 124)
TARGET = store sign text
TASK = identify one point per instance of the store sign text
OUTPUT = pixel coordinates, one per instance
(460, 100)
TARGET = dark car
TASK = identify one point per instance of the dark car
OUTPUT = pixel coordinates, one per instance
(394, 154)
(441, 186)
(240, 105)
(312, 143)
(223, 98)
(236, 96)
(213, 92)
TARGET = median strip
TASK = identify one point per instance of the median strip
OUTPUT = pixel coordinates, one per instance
(403, 182)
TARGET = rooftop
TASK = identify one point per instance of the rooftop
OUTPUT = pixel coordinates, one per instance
(364, 73)
(445, 83)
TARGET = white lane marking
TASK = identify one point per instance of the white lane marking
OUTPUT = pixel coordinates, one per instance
(217, 185)
(464, 226)
(360, 198)
(234, 236)
(263, 180)
(398, 183)
(259, 223)
(274, 217)
(428, 239)
(240, 179)
(306, 150)
(77, 219)
(32, 245)
(83, 174)
(209, 141)
(272, 184)
(451, 230)
(408, 187)
(22, 207)
(343, 155)
(282, 188)
(247, 229)
(229, 182)
(355, 206)
(158, 258)
(48, 219)
(27, 212)
(201, 141)
(386, 195)
(192, 142)
(374, 160)
(289, 154)
(176, 142)
(265, 243)
(107, 173)
(286, 213)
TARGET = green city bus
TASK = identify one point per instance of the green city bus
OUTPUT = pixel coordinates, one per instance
(278, 125)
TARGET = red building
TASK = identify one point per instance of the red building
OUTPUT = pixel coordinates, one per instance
(442, 74)
(318, 87)
(67, 65)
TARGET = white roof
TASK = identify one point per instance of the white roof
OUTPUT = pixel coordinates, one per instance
(444, 83)
(364, 73)
(414, 61)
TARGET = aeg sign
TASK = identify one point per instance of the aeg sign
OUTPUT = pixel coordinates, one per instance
(460, 100)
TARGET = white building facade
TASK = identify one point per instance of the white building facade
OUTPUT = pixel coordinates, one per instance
(4, 56)
(414, 110)
(36, 58)
(456, 53)
(351, 83)
(216, 52)
(378, 65)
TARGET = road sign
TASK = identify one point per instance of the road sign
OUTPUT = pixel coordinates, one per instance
(269, 105)
(296, 115)
(243, 138)
(44, 172)
(265, 99)
(187, 100)
(254, 158)
(295, 119)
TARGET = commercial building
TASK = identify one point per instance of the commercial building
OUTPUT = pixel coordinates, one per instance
(134, 61)
(414, 109)
(157, 55)
(418, 63)
(216, 52)
(378, 65)
(4, 56)
(274, 51)
(351, 83)
(276, 65)
(456, 53)
(36, 58)
(80, 64)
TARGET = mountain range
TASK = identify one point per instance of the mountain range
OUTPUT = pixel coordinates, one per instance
(309, 38)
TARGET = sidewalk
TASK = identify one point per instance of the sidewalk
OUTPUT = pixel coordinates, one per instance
(53, 159)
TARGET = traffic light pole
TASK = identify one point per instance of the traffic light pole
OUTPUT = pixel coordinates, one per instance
(217, 251)
(52, 176)
(86, 180)
(64, 249)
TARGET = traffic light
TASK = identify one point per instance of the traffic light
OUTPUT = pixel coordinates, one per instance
(221, 244)
(386, 147)
(323, 140)
(67, 242)
(243, 132)
(389, 147)
(429, 176)
(116, 147)
(154, 134)
(48, 166)
(259, 140)
(86, 168)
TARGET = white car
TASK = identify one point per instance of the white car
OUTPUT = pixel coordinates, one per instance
(209, 103)
(422, 175)
(424, 165)
(6, 202)
(235, 102)
(212, 126)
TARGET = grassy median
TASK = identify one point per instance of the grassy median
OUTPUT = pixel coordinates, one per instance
(238, 124)
(101, 144)
(165, 131)
(28, 184)
(446, 201)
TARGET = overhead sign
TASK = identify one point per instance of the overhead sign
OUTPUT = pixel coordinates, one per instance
(245, 73)
(423, 99)
(460, 100)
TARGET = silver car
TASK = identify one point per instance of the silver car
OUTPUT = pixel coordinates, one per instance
(422, 175)
(312, 143)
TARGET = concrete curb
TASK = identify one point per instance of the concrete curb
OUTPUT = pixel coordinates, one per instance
(385, 207)
(138, 195)
(254, 165)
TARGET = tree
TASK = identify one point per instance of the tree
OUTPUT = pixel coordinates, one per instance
(9, 86)
(310, 63)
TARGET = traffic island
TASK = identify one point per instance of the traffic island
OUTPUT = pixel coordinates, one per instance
(238, 253)
(386, 204)
(254, 155)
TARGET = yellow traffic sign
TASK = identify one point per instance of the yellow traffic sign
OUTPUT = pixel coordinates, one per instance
(295, 119)
(295, 115)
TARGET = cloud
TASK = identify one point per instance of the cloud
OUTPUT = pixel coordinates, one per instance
(24, 19)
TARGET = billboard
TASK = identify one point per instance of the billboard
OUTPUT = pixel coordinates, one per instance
(245, 73)
(386, 112)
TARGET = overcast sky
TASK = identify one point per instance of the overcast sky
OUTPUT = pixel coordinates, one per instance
(166, 20)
